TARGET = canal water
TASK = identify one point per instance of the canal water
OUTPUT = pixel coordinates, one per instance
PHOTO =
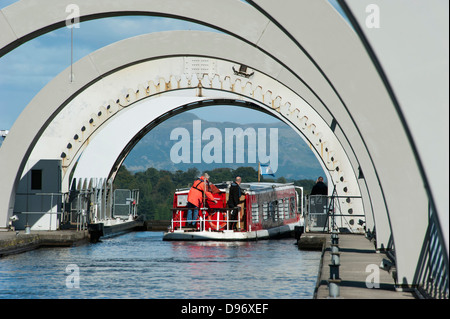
(140, 265)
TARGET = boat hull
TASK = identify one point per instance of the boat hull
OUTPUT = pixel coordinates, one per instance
(229, 235)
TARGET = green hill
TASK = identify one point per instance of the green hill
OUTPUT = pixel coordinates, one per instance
(295, 159)
(158, 186)
(150, 169)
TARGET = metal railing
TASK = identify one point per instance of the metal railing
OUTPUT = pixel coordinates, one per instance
(202, 220)
(73, 209)
(325, 213)
(125, 202)
(433, 269)
(79, 210)
(96, 204)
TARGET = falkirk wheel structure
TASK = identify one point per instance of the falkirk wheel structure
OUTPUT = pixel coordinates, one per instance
(340, 86)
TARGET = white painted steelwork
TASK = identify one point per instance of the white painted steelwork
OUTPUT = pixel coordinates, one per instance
(331, 67)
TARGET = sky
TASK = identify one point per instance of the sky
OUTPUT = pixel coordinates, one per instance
(27, 69)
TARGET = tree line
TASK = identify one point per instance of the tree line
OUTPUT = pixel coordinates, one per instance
(156, 187)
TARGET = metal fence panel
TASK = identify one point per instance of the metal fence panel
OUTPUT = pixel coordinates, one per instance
(122, 202)
(317, 214)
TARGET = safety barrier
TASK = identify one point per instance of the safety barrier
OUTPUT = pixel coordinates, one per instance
(325, 213)
(202, 220)
(433, 270)
(74, 209)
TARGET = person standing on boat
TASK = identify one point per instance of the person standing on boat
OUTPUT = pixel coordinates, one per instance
(234, 200)
(320, 188)
(196, 197)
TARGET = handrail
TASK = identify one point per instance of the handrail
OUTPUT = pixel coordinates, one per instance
(329, 210)
(202, 220)
(218, 209)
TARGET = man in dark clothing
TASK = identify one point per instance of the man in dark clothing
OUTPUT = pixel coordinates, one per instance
(234, 199)
(320, 188)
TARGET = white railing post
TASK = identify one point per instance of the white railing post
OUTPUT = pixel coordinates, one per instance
(217, 221)
(228, 228)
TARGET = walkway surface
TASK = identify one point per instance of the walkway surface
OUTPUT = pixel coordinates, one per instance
(359, 263)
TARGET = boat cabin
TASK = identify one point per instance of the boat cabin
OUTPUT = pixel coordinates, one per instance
(265, 206)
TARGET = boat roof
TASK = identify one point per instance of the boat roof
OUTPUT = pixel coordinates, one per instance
(253, 186)
(260, 186)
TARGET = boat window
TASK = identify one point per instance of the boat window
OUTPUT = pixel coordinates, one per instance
(292, 207)
(182, 200)
(255, 212)
(286, 208)
(280, 209)
(271, 211)
(265, 211)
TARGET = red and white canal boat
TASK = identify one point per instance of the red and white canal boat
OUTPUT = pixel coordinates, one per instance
(269, 210)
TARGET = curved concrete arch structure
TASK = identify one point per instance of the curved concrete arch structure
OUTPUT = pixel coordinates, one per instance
(415, 76)
(76, 127)
(300, 75)
(241, 102)
(345, 88)
(187, 42)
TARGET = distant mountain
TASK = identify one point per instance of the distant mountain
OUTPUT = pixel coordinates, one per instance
(295, 159)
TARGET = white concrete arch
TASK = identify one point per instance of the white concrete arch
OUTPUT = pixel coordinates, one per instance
(259, 31)
(346, 87)
(78, 125)
(312, 96)
(216, 41)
